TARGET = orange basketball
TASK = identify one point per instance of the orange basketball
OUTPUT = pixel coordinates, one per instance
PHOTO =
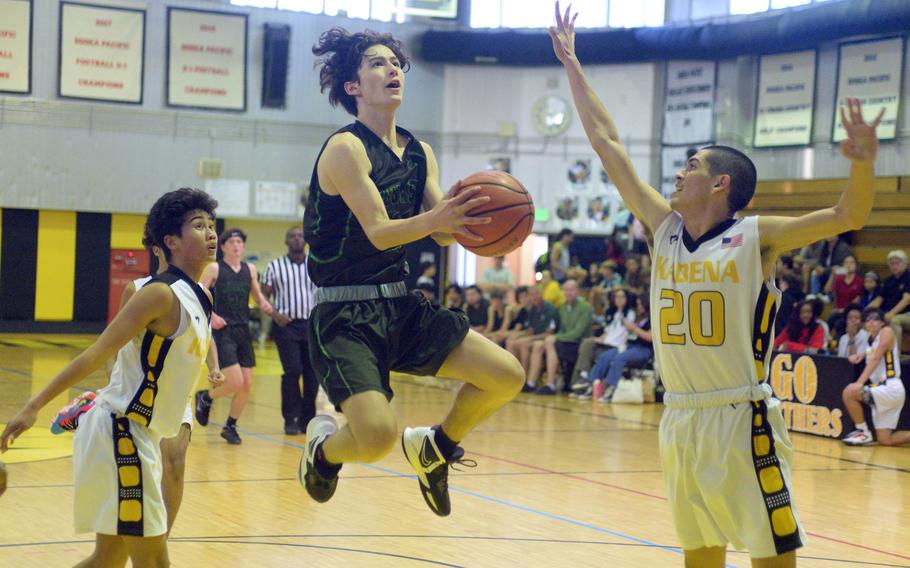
(511, 208)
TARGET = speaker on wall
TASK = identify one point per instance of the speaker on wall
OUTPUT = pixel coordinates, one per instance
(276, 45)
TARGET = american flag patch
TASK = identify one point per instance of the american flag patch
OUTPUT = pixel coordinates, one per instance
(730, 242)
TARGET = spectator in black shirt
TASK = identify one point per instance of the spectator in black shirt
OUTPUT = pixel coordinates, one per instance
(894, 295)
(477, 308)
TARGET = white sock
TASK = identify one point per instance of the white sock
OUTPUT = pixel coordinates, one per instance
(862, 426)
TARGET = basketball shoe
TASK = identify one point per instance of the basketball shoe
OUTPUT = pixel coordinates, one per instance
(859, 438)
(203, 407)
(318, 476)
(419, 445)
(67, 420)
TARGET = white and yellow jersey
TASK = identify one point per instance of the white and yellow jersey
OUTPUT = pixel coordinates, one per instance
(889, 366)
(154, 376)
(712, 311)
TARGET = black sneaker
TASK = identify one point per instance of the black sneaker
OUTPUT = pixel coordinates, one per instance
(528, 388)
(432, 468)
(319, 487)
(545, 390)
(203, 408)
(292, 428)
(230, 434)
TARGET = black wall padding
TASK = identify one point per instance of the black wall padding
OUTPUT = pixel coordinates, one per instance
(275, 48)
(93, 267)
(790, 30)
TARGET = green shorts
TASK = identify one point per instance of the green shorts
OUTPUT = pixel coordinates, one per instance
(354, 345)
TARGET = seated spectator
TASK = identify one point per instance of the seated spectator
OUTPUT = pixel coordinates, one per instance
(854, 342)
(550, 289)
(609, 277)
(803, 333)
(885, 392)
(894, 296)
(427, 274)
(613, 338)
(639, 349)
(807, 259)
(561, 347)
(783, 267)
(496, 313)
(428, 290)
(476, 307)
(497, 277)
(516, 318)
(634, 279)
(845, 285)
(543, 320)
(453, 297)
(834, 250)
(559, 257)
(870, 289)
(791, 295)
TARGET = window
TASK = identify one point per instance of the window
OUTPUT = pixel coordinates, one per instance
(748, 6)
(591, 13)
(311, 6)
(778, 4)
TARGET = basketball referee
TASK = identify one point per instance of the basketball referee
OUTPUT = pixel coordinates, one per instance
(287, 282)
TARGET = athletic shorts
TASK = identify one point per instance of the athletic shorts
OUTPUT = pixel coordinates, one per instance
(889, 401)
(354, 345)
(117, 476)
(234, 346)
(188, 416)
(726, 457)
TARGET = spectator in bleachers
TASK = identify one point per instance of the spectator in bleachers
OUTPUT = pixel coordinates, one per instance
(854, 342)
(845, 286)
(428, 290)
(496, 313)
(575, 318)
(559, 256)
(427, 274)
(894, 296)
(806, 260)
(453, 297)
(634, 278)
(613, 338)
(803, 333)
(885, 392)
(639, 349)
(834, 251)
(477, 308)
(614, 251)
(497, 277)
(784, 266)
(791, 295)
(516, 317)
(609, 277)
(550, 289)
(543, 320)
(870, 289)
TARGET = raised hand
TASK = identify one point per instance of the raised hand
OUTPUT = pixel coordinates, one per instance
(563, 35)
(861, 144)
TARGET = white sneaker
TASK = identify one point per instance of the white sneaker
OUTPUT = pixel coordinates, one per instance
(608, 393)
(319, 487)
(859, 438)
(421, 451)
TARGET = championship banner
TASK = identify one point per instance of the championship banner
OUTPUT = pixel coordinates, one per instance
(689, 105)
(786, 91)
(15, 46)
(672, 161)
(101, 52)
(206, 59)
(872, 72)
(810, 389)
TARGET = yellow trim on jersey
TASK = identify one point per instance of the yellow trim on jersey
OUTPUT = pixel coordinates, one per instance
(55, 277)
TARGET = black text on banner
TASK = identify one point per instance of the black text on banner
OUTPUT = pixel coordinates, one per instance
(786, 91)
(872, 72)
(689, 104)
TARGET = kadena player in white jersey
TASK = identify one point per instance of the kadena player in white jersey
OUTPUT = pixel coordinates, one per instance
(713, 302)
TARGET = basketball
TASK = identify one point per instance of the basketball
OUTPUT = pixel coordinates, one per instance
(511, 208)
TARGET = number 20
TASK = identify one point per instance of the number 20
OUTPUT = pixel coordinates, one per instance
(673, 314)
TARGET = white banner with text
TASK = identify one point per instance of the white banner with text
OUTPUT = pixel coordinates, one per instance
(786, 92)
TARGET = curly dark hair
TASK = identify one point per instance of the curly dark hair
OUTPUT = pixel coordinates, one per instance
(169, 213)
(340, 53)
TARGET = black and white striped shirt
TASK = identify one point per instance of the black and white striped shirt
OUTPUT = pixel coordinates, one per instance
(293, 291)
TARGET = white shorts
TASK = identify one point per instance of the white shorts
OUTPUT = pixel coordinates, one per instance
(726, 463)
(117, 471)
(188, 415)
(889, 401)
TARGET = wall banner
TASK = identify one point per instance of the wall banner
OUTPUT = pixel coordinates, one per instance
(206, 53)
(689, 104)
(872, 72)
(15, 46)
(101, 52)
(672, 160)
(786, 92)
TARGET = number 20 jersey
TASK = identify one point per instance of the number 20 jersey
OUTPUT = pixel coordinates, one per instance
(713, 312)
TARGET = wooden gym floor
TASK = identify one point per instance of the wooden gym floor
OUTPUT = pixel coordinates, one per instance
(558, 483)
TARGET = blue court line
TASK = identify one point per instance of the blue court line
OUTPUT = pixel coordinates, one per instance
(499, 501)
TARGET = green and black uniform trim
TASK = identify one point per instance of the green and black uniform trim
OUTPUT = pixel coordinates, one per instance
(232, 302)
(355, 345)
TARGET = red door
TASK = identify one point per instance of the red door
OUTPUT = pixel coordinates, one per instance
(126, 266)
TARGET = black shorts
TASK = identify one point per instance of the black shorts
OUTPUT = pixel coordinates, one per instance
(354, 345)
(234, 346)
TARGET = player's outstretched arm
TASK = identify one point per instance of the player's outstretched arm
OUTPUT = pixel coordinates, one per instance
(645, 202)
(855, 205)
(344, 169)
(145, 310)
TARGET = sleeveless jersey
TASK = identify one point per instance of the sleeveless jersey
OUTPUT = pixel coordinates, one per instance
(232, 293)
(712, 313)
(154, 376)
(340, 252)
(889, 366)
